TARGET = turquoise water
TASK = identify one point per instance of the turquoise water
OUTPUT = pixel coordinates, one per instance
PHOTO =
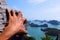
(37, 33)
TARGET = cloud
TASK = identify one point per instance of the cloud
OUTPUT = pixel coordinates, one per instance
(36, 1)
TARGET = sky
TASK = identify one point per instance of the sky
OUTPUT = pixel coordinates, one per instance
(37, 9)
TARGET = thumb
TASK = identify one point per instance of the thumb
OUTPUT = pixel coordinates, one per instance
(24, 31)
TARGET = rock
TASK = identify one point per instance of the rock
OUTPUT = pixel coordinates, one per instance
(36, 25)
(41, 21)
(51, 31)
(30, 38)
(44, 25)
(53, 22)
(57, 38)
(21, 37)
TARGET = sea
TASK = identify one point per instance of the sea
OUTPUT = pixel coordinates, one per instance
(38, 34)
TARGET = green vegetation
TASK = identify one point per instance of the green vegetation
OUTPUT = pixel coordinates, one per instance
(29, 37)
(47, 37)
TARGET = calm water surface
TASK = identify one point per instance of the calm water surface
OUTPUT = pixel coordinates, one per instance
(37, 33)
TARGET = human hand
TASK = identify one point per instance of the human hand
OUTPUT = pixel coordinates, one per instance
(15, 23)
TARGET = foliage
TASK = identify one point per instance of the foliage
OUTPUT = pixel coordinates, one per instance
(47, 37)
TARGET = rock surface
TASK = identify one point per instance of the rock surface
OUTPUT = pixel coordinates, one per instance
(51, 31)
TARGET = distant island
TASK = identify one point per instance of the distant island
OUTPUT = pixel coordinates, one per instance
(36, 25)
(52, 22)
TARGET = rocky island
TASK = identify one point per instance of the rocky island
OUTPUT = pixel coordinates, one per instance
(53, 22)
(36, 25)
(51, 31)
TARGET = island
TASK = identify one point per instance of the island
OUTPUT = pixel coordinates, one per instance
(53, 22)
(36, 25)
(51, 31)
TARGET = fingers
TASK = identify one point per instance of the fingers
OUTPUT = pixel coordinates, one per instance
(19, 14)
(23, 20)
(13, 13)
(8, 11)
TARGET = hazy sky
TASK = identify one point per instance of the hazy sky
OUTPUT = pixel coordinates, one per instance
(37, 9)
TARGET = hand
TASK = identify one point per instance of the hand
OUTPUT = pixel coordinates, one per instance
(15, 23)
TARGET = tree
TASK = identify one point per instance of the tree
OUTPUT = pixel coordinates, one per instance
(46, 37)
